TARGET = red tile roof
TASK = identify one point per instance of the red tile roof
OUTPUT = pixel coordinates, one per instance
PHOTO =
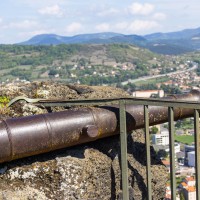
(191, 189)
(165, 162)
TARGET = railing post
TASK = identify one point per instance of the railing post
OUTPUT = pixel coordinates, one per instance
(123, 146)
(148, 151)
(172, 154)
(197, 152)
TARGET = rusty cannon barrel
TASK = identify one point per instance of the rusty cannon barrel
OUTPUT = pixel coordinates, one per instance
(26, 136)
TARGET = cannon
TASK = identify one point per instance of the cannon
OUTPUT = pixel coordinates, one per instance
(32, 135)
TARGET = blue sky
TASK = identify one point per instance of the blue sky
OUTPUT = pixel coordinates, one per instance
(22, 19)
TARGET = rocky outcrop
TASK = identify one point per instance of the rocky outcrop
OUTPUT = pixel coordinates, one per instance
(86, 172)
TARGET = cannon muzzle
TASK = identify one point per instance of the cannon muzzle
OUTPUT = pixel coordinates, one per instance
(26, 136)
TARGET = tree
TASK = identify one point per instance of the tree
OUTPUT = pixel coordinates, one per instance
(178, 124)
(198, 71)
(162, 153)
(182, 196)
(52, 72)
(82, 62)
(171, 89)
(154, 130)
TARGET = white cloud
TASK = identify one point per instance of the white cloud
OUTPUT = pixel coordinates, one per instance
(136, 26)
(102, 27)
(111, 11)
(141, 9)
(73, 27)
(1, 19)
(159, 16)
(121, 26)
(41, 3)
(142, 25)
(26, 24)
(29, 34)
(51, 10)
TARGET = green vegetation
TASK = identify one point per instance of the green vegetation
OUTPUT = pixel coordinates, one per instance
(171, 89)
(162, 154)
(4, 101)
(83, 63)
(170, 49)
(182, 196)
(198, 68)
(152, 81)
(185, 124)
(154, 130)
(185, 139)
(114, 51)
(179, 180)
(3, 105)
(92, 64)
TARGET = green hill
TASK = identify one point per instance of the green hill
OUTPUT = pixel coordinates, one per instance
(85, 63)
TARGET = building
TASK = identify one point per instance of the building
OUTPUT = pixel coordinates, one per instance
(189, 193)
(190, 180)
(177, 147)
(187, 188)
(161, 139)
(188, 148)
(191, 159)
(149, 93)
(168, 192)
(179, 132)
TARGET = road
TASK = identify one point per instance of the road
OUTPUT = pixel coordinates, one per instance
(158, 76)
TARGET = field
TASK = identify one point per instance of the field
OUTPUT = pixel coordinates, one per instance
(185, 139)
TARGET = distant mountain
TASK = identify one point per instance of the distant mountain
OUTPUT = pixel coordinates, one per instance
(45, 39)
(174, 42)
(49, 39)
(166, 43)
(187, 33)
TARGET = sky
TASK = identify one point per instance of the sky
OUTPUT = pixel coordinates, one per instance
(22, 19)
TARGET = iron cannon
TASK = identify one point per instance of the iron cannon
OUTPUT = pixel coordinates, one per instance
(32, 135)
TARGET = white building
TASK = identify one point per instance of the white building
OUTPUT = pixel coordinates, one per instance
(177, 147)
(189, 193)
(161, 139)
(191, 159)
(148, 93)
(188, 188)
(190, 181)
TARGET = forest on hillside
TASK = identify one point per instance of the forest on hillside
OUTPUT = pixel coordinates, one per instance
(31, 62)
(90, 64)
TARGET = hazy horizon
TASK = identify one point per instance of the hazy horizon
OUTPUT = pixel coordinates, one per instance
(20, 20)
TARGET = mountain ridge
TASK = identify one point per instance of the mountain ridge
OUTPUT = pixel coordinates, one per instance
(186, 40)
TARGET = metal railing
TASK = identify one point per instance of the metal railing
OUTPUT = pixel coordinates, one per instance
(171, 104)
